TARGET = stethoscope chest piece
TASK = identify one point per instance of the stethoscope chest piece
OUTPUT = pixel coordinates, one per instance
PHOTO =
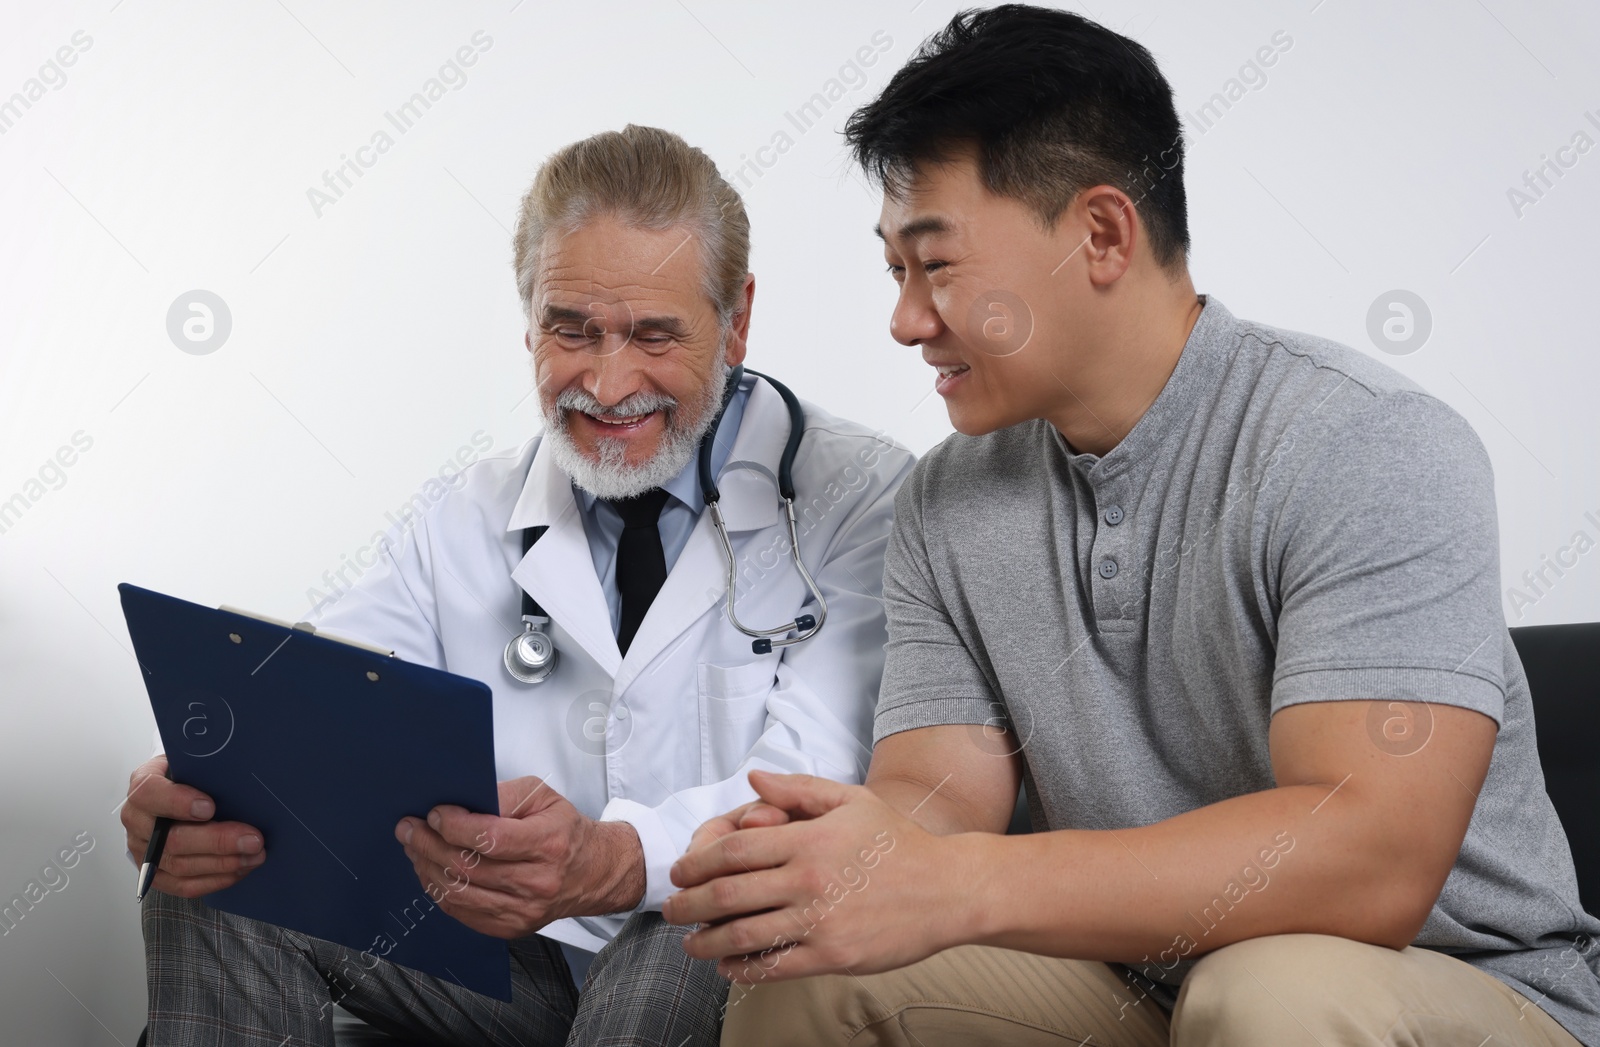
(531, 655)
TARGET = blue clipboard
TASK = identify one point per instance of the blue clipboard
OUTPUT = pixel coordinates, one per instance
(324, 746)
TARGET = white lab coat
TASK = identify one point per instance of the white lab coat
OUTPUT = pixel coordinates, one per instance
(663, 737)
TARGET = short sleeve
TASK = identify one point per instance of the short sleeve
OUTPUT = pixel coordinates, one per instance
(1388, 565)
(930, 676)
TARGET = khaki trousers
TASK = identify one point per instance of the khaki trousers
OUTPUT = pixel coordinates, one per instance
(1279, 991)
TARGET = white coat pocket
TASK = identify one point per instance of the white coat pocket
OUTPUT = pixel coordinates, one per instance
(733, 714)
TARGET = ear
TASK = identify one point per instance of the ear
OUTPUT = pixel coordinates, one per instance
(739, 331)
(1114, 230)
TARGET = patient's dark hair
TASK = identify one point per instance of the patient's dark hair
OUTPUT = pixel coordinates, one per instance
(1054, 104)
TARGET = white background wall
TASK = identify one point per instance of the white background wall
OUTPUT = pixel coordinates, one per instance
(372, 340)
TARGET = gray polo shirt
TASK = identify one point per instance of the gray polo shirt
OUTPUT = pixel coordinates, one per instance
(1290, 521)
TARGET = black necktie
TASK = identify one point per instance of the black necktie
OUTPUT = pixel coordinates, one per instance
(641, 562)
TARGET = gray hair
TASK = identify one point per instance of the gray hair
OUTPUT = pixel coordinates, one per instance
(645, 177)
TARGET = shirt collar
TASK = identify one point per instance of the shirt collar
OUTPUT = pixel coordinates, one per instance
(1200, 364)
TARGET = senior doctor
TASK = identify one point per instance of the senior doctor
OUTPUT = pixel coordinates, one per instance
(631, 262)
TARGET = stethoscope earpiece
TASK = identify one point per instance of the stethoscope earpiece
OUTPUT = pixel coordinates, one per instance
(804, 626)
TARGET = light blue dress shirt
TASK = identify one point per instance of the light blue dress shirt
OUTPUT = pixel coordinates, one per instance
(602, 524)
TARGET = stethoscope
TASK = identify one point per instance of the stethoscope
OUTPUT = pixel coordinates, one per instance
(531, 655)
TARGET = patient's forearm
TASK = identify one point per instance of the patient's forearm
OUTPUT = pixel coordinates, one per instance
(949, 779)
(935, 810)
(1253, 865)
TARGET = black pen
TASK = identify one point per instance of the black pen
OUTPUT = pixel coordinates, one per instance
(152, 855)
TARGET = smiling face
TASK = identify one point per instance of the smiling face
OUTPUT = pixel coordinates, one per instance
(992, 298)
(628, 352)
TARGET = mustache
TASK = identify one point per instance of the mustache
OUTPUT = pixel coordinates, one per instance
(641, 402)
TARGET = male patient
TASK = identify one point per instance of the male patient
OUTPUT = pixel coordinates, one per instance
(631, 258)
(1224, 596)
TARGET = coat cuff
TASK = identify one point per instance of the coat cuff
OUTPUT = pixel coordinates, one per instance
(659, 849)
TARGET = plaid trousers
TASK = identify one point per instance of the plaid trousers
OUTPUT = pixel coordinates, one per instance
(215, 978)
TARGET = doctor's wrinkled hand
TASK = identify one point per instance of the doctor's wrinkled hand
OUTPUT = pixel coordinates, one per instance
(541, 860)
(201, 856)
(847, 883)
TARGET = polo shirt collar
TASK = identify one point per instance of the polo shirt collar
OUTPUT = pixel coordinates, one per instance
(1200, 366)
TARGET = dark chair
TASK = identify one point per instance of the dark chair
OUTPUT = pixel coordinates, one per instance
(1563, 667)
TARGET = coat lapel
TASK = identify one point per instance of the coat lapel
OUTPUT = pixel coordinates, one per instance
(559, 570)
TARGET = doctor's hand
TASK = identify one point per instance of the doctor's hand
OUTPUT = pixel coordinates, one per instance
(201, 856)
(541, 860)
(848, 883)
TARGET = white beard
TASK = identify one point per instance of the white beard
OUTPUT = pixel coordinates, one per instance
(607, 474)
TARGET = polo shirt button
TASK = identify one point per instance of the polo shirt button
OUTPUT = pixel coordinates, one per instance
(1113, 515)
(1108, 568)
